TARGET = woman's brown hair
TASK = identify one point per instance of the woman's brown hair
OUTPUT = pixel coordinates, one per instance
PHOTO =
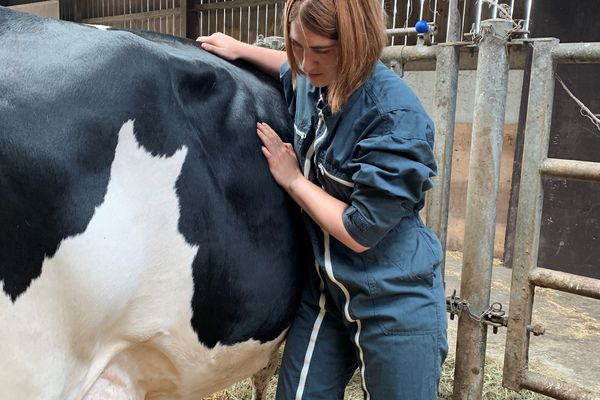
(359, 28)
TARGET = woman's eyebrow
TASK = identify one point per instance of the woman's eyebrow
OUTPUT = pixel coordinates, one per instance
(323, 47)
(329, 46)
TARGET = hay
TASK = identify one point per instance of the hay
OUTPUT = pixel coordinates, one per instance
(492, 387)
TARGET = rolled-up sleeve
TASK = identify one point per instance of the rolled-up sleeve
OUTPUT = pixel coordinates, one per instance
(394, 163)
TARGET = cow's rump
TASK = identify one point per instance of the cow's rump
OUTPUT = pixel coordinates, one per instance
(142, 237)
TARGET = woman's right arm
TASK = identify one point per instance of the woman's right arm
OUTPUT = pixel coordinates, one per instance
(267, 60)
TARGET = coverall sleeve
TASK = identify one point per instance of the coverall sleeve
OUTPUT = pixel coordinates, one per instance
(394, 163)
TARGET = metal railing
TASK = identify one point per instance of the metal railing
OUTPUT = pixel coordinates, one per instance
(536, 166)
(247, 19)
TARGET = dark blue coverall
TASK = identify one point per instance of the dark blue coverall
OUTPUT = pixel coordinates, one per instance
(382, 311)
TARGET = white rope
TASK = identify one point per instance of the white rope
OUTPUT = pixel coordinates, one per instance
(583, 110)
(504, 13)
(502, 8)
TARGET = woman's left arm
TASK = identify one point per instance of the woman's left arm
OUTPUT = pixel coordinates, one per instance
(324, 209)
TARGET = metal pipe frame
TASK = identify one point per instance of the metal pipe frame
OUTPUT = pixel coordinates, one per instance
(403, 54)
(482, 195)
(526, 275)
(529, 211)
(555, 388)
(478, 13)
(571, 169)
(527, 17)
(231, 4)
(577, 53)
(401, 31)
(444, 115)
(565, 282)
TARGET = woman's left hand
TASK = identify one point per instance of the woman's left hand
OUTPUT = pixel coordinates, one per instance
(282, 160)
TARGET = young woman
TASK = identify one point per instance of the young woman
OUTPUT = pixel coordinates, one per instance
(359, 166)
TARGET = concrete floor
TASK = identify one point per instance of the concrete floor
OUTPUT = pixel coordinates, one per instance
(569, 349)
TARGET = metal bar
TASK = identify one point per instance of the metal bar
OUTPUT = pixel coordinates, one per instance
(556, 388)
(129, 17)
(577, 53)
(408, 53)
(183, 17)
(478, 12)
(444, 115)
(275, 21)
(529, 211)
(231, 4)
(571, 169)
(482, 197)
(401, 31)
(422, 58)
(565, 282)
(394, 18)
(408, 12)
(527, 17)
(435, 6)
(464, 12)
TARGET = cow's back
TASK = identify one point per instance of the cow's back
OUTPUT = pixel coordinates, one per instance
(141, 228)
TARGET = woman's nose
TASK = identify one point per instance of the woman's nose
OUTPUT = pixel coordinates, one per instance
(308, 63)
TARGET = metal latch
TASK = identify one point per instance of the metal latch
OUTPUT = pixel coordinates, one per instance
(494, 316)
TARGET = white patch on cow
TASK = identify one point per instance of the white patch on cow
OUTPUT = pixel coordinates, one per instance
(101, 27)
(109, 316)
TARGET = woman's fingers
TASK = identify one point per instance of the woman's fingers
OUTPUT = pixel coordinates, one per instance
(220, 44)
(267, 135)
(265, 152)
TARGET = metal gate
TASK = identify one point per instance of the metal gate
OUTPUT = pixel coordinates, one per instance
(165, 16)
(537, 166)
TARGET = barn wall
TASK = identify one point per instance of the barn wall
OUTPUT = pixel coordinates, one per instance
(46, 8)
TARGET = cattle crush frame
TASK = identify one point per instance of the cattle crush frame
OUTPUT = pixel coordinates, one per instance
(498, 35)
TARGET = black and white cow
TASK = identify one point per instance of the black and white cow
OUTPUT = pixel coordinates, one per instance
(145, 250)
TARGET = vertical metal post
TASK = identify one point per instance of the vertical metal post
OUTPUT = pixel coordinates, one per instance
(444, 113)
(529, 211)
(478, 16)
(408, 12)
(527, 17)
(482, 195)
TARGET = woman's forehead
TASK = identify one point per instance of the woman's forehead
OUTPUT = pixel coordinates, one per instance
(299, 33)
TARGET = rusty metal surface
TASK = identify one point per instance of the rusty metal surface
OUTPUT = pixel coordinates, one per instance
(482, 196)
(556, 388)
(565, 282)
(541, 93)
(444, 115)
(577, 53)
(571, 169)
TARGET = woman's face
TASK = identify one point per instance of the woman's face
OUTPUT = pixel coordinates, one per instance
(316, 55)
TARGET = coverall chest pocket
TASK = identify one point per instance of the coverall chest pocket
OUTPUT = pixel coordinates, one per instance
(303, 134)
(401, 283)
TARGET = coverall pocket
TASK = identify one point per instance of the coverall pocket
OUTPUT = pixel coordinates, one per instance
(402, 287)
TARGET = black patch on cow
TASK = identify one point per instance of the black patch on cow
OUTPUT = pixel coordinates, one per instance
(65, 91)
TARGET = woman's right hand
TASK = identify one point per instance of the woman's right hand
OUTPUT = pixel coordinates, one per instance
(222, 45)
